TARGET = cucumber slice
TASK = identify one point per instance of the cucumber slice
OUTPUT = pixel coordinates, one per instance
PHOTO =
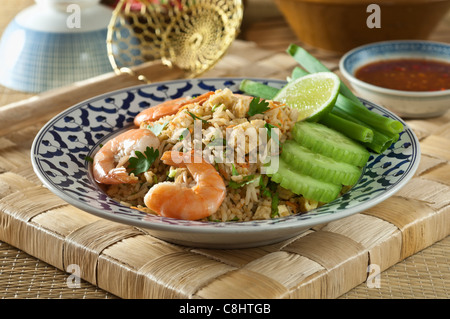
(307, 186)
(326, 141)
(319, 166)
(258, 89)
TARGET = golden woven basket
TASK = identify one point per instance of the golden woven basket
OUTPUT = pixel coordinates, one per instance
(192, 35)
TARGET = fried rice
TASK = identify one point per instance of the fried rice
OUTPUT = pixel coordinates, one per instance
(223, 112)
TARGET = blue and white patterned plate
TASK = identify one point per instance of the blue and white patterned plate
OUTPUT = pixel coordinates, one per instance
(59, 159)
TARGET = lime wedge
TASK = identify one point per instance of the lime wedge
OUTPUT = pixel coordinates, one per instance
(313, 95)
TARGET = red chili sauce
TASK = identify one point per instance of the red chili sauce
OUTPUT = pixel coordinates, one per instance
(407, 74)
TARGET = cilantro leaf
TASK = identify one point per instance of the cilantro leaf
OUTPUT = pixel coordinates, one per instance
(88, 159)
(270, 191)
(274, 205)
(157, 128)
(269, 128)
(234, 171)
(142, 162)
(247, 180)
(264, 190)
(258, 106)
(184, 134)
(195, 117)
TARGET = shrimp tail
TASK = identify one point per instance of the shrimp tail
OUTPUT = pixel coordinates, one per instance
(117, 175)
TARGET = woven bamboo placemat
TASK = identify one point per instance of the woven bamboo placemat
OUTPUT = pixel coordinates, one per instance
(405, 237)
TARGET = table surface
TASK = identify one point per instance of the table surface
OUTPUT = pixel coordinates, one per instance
(426, 274)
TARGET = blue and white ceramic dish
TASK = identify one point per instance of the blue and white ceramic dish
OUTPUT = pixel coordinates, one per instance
(59, 159)
(55, 43)
(403, 103)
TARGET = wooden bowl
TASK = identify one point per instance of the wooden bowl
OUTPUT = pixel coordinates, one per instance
(341, 25)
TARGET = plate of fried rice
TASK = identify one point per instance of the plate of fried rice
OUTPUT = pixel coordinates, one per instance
(157, 157)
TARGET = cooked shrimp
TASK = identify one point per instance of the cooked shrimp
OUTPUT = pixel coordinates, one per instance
(107, 167)
(167, 108)
(176, 200)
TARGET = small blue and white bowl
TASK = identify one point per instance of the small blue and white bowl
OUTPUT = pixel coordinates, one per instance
(54, 43)
(407, 104)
